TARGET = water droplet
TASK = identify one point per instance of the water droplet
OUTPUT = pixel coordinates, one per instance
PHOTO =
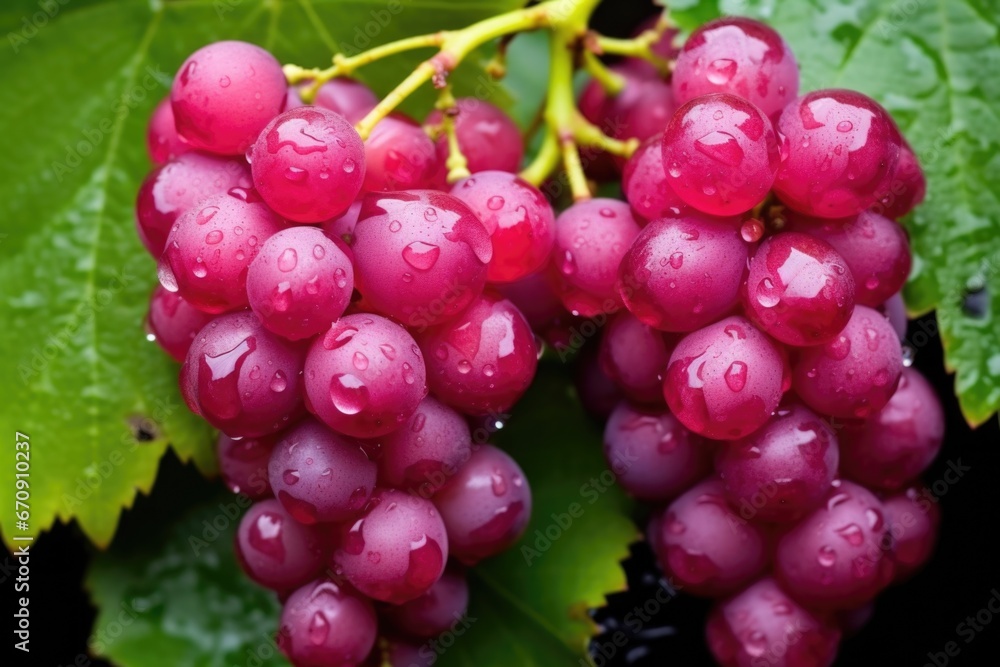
(845, 126)
(495, 203)
(838, 348)
(421, 256)
(752, 230)
(287, 260)
(721, 71)
(736, 376)
(721, 147)
(349, 166)
(388, 351)
(290, 477)
(826, 556)
(419, 420)
(214, 237)
(567, 264)
(199, 270)
(409, 377)
(278, 382)
(677, 260)
(348, 394)
(607, 213)
(430, 214)
(498, 483)
(852, 533)
(318, 251)
(464, 366)
(394, 226)
(340, 277)
(206, 214)
(360, 361)
(489, 371)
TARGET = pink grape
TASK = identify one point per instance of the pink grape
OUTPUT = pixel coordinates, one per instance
(319, 475)
(914, 522)
(325, 624)
(420, 256)
(485, 506)
(897, 443)
(645, 183)
(294, 98)
(720, 154)
(784, 469)
(243, 465)
(365, 376)
(652, 110)
(654, 456)
(396, 551)
(399, 156)
(682, 273)
(162, 140)
(341, 228)
(724, 381)
(276, 551)
(299, 283)
(854, 375)
(211, 246)
(224, 94)
(798, 289)
(518, 218)
(173, 322)
(347, 97)
(488, 138)
(908, 188)
(482, 360)
(177, 186)
(837, 556)
(435, 611)
(895, 311)
(635, 356)
(738, 56)
(534, 298)
(242, 379)
(842, 149)
(308, 164)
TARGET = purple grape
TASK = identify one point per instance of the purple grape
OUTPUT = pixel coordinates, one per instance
(276, 551)
(177, 186)
(854, 375)
(419, 256)
(351, 99)
(308, 164)
(592, 236)
(908, 188)
(299, 283)
(399, 156)
(914, 522)
(173, 322)
(488, 138)
(836, 557)
(654, 456)
(396, 551)
(242, 379)
(738, 56)
(518, 218)
(598, 393)
(683, 273)
(534, 298)
(635, 356)
(724, 381)
(325, 624)
(421, 455)
(210, 248)
(482, 360)
(895, 311)
(405, 653)
(704, 545)
(841, 151)
(645, 183)
(319, 475)
(485, 506)
(720, 154)
(435, 611)
(243, 465)
(798, 290)
(652, 110)
(224, 94)
(784, 469)
(365, 376)
(898, 442)
(162, 140)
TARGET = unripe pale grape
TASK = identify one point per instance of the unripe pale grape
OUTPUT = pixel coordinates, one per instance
(174, 322)
(488, 138)
(645, 183)
(243, 464)
(914, 522)
(351, 99)
(399, 156)
(325, 624)
(276, 551)
(162, 140)
(635, 356)
(435, 611)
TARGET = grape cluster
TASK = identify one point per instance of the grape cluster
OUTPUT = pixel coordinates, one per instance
(762, 399)
(335, 305)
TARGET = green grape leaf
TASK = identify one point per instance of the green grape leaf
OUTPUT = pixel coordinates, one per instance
(77, 82)
(528, 605)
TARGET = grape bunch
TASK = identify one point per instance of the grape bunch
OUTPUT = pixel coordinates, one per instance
(334, 303)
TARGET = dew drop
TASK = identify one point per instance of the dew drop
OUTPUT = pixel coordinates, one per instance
(349, 166)
(421, 256)
(287, 260)
(348, 394)
(845, 126)
(278, 382)
(495, 203)
(214, 237)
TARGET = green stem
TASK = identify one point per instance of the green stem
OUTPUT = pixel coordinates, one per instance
(457, 165)
(612, 82)
(639, 47)
(545, 161)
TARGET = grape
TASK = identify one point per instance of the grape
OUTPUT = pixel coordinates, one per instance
(419, 256)
(704, 545)
(608, 112)
(242, 379)
(842, 149)
(720, 154)
(161, 135)
(210, 248)
(488, 138)
(399, 156)
(684, 272)
(341, 228)
(365, 376)
(404, 653)
(435, 611)
(347, 97)
(534, 298)
(485, 506)
(224, 94)
(294, 98)
(174, 322)
(319, 475)
(898, 442)
(908, 186)
(798, 289)
(177, 186)
(325, 624)
(738, 56)
(645, 183)
(784, 469)
(854, 375)
(483, 359)
(836, 557)
(652, 110)
(763, 626)
(895, 311)
(725, 380)
(421, 455)
(599, 395)
(276, 551)
(592, 236)
(913, 521)
(299, 283)
(654, 456)
(308, 164)
(243, 465)
(875, 248)
(518, 218)
(396, 550)
(635, 356)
